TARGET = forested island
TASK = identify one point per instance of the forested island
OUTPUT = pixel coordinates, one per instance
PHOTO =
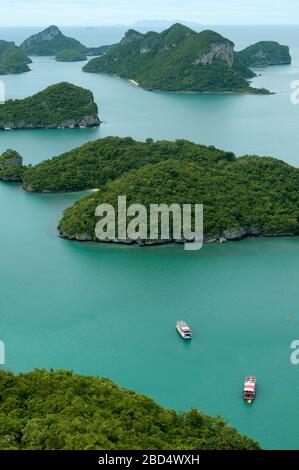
(59, 106)
(247, 196)
(70, 55)
(265, 53)
(60, 410)
(49, 42)
(177, 60)
(52, 42)
(12, 59)
(244, 196)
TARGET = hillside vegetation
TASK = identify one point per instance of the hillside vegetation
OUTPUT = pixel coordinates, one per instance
(93, 164)
(59, 410)
(11, 168)
(12, 59)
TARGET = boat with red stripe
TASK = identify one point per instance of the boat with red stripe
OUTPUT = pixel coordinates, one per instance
(249, 391)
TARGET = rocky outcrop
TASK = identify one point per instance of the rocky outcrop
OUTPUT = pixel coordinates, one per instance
(131, 36)
(11, 164)
(86, 121)
(223, 51)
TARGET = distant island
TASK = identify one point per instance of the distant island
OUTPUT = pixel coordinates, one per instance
(265, 53)
(59, 410)
(12, 59)
(69, 55)
(177, 60)
(244, 196)
(52, 42)
(49, 42)
(59, 106)
(11, 166)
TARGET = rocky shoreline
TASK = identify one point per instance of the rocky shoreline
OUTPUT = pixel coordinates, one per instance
(85, 122)
(226, 236)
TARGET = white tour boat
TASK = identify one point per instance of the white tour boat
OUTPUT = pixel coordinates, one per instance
(183, 329)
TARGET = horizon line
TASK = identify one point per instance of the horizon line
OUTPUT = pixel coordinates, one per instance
(130, 24)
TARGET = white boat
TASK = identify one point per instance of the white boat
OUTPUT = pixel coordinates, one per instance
(134, 82)
(7, 128)
(183, 329)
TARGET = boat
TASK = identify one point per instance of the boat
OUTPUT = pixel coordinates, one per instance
(134, 82)
(249, 391)
(183, 329)
(7, 128)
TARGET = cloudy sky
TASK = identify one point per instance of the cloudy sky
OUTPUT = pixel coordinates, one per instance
(108, 12)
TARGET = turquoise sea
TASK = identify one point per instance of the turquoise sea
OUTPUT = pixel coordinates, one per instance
(110, 310)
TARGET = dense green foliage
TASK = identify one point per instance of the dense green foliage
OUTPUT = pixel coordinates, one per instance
(58, 105)
(59, 410)
(265, 53)
(68, 55)
(247, 195)
(95, 163)
(12, 59)
(11, 166)
(49, 42)
(178, 59)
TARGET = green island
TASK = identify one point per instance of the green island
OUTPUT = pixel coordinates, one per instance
(265, 53)
(60, 410)
(61, 105)
(249, 196)
(52, 42)
(70, 55)
(49, 42)
(11, 166)
(177, 60)
(244, 196)
(12, 59)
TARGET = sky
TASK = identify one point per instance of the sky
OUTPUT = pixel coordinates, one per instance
(112, 12)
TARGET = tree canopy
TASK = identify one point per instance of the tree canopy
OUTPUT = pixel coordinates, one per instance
(60, 410)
